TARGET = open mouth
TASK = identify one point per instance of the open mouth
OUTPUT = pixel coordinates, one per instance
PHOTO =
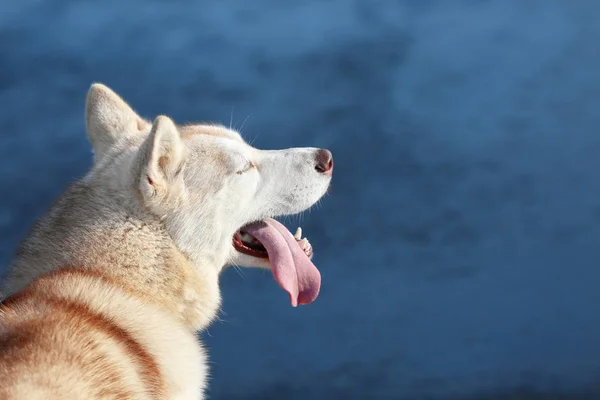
(288, 255)
(248, 244)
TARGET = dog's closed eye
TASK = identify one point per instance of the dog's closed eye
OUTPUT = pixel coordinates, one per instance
(247, 168)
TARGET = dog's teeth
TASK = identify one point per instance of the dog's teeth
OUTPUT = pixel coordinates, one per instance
(304, 243)
(298, 234)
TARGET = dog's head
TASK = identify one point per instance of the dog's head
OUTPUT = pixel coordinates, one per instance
(215, 194)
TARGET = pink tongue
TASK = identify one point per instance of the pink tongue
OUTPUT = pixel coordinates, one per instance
(291, 267)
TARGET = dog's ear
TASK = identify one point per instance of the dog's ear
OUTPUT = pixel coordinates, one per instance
(162, 160)
(108, 118)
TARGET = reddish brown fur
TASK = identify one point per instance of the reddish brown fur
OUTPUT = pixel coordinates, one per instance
(30, 330)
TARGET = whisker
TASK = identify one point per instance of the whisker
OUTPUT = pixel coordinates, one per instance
(243, 123)
(222, 320)
(255, 137)
(318, 204)
(239, 271)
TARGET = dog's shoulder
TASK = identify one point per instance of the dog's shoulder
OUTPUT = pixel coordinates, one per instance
(83, 318)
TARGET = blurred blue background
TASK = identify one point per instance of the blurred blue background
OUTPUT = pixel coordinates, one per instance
(459, 245)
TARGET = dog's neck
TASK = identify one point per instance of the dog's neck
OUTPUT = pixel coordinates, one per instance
(90, 229)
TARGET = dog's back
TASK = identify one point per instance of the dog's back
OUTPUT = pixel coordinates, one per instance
(74, 334)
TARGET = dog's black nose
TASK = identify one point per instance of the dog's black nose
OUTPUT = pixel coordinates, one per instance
(324, 160)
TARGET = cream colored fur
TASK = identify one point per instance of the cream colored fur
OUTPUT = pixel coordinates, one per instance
(147, 230)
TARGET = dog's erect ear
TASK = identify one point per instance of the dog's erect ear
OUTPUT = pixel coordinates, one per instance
(163, 158)
(108, 118)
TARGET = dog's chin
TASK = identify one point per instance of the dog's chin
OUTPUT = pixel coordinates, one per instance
(240, 259)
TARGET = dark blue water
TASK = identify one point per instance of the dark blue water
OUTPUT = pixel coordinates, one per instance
(459, 245)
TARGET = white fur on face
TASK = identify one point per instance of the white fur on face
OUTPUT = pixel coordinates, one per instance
(230, 184)
(289, 182)
(203, 181)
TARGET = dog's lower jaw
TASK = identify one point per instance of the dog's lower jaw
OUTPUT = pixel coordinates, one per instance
(239, 259)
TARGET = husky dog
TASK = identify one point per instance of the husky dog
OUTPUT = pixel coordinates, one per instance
(106, 293)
